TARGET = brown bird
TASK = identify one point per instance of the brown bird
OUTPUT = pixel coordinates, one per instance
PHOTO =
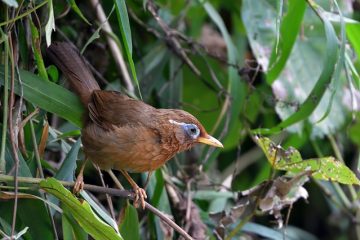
(122, 133)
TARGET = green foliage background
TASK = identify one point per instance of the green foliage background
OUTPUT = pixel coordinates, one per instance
(284, 69)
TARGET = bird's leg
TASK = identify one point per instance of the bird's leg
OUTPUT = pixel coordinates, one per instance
(148, 179)
(140, 194)
(79, 183)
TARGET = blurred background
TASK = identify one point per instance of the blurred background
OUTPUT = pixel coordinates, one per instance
(288, 70)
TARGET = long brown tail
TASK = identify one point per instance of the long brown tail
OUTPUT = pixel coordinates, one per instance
(73, 66)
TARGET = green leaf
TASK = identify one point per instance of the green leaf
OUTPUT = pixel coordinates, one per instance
(325, 168)
(11, 3)
(81, 211)
(318, 91)
(236, 87)
(125, 30)
(129, 226)
(123, 19)
(289, 30)
(48, 96)
(77, 10)
(53, 73)
(71, 230)
(99, 210)
(353, 34)
(67, 169)
(39, 225)
(50, 25)
(35, 37)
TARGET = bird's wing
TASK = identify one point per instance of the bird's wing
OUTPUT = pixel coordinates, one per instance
(109, 108)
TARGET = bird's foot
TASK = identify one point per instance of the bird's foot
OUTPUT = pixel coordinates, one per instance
(79, 184)
(139, 197)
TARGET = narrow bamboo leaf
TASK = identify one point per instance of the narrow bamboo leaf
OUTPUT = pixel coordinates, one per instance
(289, 30)
(159, 199)
(326, 168)
(76, 9)
(67, 169)
(67, 228)
(125, 30)
(35, 37)
(100, 211)
(313, 99)
(81, 211)
(71, 230)
(24, 170)
(129, 226)
(50, 25)
(336, 82)
(353, 34)
(123, 19)
(39, 225)
(6, 229)
(11, 3)
(48, 96)
(11, 195)
(235, 87)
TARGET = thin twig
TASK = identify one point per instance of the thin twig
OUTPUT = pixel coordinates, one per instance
(108, 198)
(41, 172)
(110, 191)
(12, 132)
(24, 14)
(170, 38)
(114, 48)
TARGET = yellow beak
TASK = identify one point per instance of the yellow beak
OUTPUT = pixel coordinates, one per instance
(209, 140)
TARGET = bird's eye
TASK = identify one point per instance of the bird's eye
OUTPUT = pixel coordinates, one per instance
(192, 130)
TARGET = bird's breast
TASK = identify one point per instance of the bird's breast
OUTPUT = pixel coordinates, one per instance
(131, 148)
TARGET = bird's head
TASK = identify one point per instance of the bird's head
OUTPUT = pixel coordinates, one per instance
(188, 130)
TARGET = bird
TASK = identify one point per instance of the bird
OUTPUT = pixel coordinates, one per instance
(123, 133)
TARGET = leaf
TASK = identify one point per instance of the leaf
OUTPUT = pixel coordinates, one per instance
(325, 168)
(307, 108)
(53, 73)
(123, 20)
(50, 25)
(11, 195)
(77, 10)
(11, 3)
(353, 34)
(6, 229)
(129, 225)
(235, 87)
(35, 37)
(67, 169)
(81, 211)
(71, 230)
(159, 198)
(43, 139)
(99, 210)
(37, 91)
(39, 225)
(289, 30)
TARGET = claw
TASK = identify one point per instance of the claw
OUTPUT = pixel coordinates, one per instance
(79, 184)
(139, 197)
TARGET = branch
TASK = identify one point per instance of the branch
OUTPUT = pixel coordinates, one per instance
(110, 191)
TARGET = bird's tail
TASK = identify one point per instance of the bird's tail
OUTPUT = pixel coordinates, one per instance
(73, 66)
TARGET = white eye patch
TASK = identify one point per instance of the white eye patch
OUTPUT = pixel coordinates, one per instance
(190, 129)
(176, 123)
